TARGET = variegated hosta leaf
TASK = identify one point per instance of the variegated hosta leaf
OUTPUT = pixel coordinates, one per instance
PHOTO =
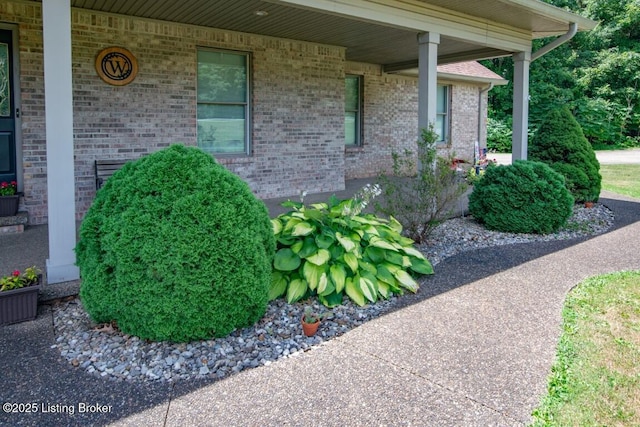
(348, 244)
(297, 246)
(312, 273)
(303, 229)
(384, 275)
(406, 281)
(297, 289)
(379, 243)
(320, 258)
(352, 261)
(365, 266)
(395, 225)
(290, 224)
(322, 283)
(384, 290)
(278, 285)
(338, 276)
(409, 250)
(277, 226)
(372, 230)
(368, 289)
(354, 292)
(406, 262)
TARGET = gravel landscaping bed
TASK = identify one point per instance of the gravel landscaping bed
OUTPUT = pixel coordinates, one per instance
(104, 351)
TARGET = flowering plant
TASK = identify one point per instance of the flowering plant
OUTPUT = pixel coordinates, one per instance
(8, 188)
(19, 280)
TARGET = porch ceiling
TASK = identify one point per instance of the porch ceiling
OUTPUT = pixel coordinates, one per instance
(367, 38)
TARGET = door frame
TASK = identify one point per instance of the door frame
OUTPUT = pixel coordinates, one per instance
(17, 98)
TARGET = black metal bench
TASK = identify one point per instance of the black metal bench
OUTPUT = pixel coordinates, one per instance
(106, 168)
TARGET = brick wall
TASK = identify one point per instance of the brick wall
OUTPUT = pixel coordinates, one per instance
(297, 106)
(464, 119)
(390, 120)
(297, 100)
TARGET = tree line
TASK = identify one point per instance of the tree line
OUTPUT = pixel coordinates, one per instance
(596, 74)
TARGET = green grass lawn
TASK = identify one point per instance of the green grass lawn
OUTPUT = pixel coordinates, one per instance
(621, 179)
(595, 380)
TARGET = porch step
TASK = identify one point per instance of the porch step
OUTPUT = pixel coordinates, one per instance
(13, 224)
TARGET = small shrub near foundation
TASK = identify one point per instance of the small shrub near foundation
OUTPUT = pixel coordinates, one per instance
(525, 197)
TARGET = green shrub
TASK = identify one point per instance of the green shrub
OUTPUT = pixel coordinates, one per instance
(560, 143)
(176, 247)
(421, 197)
(329, 249)
(499, 135)
(525, 197)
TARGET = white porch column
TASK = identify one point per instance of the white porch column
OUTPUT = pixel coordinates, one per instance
(521, 62)
(56, 16)
(427, 79)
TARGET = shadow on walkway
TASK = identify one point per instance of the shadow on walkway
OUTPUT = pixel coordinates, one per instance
(425, 376)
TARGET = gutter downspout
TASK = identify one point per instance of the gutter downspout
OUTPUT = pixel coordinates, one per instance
(480, 93)
(573, 29)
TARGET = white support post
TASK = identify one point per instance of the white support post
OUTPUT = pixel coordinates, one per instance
(56, 17)
(427, 79)
(521, 62)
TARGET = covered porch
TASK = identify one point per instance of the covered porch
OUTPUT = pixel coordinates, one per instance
(401, 36)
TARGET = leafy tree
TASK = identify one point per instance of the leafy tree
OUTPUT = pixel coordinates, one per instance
(596, 74)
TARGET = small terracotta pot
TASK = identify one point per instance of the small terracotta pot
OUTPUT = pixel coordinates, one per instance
(588, 204)
(309, 329)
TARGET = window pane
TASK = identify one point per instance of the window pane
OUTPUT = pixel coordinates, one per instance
(221, 128)
(350, 128)
(440, 127)
(442, 100)
(5, 87)
(352, 93)
(222, 77)
(5, 152)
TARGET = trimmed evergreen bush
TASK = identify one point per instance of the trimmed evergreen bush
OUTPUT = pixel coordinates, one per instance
(560, 143)
(525, 197)
(176, 247)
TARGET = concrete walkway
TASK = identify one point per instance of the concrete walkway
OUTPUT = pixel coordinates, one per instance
(472, 348)
(613, 157)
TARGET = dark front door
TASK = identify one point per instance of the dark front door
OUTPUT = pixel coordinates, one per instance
(7, 110)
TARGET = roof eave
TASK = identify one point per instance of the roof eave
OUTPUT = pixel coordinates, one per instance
(555, 13)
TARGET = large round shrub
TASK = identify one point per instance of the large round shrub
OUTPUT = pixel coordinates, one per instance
(525, 197)
(176, 247)
(560, 143)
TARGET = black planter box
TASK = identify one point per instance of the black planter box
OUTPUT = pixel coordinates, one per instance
(9, 205)
(19, 305)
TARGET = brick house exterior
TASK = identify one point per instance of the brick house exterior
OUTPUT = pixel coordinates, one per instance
(297, 117)
(300, 57)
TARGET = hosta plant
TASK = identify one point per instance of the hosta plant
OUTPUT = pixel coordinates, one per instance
(331, 249)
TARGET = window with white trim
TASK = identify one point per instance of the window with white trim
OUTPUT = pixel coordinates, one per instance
(442, 114)
(353, 111)
(223, 101)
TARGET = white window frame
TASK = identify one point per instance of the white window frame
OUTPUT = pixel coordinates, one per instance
(446, 114)
(246, 104)
(358, 111)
